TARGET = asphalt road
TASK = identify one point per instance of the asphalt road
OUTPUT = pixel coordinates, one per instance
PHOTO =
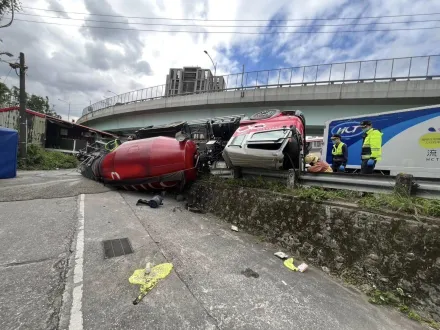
(53, 274)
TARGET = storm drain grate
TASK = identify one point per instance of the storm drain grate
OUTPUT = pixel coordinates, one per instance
(117, 247)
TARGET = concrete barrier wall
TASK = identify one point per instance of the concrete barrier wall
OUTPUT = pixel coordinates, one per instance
(369, 249)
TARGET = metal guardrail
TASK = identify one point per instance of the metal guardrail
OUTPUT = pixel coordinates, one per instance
(403, 68)
(426, 188)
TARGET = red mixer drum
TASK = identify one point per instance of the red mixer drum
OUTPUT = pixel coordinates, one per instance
(153, 163)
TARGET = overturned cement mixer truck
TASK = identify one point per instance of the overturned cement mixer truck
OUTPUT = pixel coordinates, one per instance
(169, 156)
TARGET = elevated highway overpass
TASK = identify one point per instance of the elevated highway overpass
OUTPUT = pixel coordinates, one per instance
(321, 97)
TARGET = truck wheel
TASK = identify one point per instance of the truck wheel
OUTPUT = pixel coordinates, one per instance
(291, 154)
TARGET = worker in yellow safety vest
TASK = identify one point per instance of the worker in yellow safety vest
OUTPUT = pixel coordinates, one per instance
(339, 153)
(371, 147)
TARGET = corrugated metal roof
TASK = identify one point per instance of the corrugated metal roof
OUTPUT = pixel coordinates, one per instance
(42, 115)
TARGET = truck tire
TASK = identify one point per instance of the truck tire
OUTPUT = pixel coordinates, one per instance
(292, 154)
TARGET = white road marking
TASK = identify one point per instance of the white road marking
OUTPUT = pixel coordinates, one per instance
(76, 316)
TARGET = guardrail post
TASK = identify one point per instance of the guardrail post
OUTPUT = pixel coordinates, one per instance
(409, 70)
(345, 69)
(375, 69)
(237, 172)
(392, 68)
(404, 184)
(316, 76)
(427, 68)
(291, 179)
(304, 72)
(330, 73)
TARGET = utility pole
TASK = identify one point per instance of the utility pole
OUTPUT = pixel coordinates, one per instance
(22, 150)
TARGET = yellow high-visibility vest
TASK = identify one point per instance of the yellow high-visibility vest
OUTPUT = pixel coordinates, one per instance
(337, 149)
(372, 146)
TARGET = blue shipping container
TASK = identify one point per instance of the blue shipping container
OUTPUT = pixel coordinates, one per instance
(8, 153)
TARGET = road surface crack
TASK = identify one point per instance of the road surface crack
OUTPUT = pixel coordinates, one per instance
(27, 262)
(175, 268)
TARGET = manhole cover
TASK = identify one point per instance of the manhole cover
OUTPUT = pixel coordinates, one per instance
(117, 247)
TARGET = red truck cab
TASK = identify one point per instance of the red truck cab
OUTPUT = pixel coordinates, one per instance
(271, 139)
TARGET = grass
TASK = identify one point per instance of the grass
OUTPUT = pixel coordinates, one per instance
(39, 159)
(400, 300)
(389, 202)
(411, 205)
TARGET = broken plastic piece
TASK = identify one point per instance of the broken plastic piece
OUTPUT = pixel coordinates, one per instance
(149, 281)
(234, 228)
(194, 209)
(303, 267)
(148, 268)
(153, 203)
(281, 255)
(289, 264)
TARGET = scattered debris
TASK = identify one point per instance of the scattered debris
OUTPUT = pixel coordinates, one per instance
(289, 264)
(325, 269)
(153, 203)
(303, 267)
(194, 209)
(149, 281)
(148, 268)
(234, 228)
(281, 255)
(250, 273)
(177, 208)
(284, 282)
(180, 198)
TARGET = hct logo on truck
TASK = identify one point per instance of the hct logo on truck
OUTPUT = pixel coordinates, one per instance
(347, 129)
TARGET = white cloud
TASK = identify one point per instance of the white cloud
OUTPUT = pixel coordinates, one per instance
(81, 64)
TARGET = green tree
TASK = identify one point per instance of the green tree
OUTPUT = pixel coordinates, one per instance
(5, 95)
(7, 5)
(15, 99)
(38, 103)
(11, 97)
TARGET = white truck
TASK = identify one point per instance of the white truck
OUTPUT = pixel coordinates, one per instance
(410, 141)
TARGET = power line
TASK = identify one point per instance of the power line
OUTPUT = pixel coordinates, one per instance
(234, 20)
(232, 32)
(229, 26)
(4, 80)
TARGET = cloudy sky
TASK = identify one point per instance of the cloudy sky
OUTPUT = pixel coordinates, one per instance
(70, 60)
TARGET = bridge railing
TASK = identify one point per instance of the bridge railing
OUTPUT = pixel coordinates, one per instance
(403, 68)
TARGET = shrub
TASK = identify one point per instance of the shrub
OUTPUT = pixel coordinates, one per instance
(39, 159)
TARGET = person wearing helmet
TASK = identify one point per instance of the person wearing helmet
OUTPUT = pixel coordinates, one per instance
(317, 165)
(371, 147)
(339, 153)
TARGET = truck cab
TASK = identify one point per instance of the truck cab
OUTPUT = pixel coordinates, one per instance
(271, 139)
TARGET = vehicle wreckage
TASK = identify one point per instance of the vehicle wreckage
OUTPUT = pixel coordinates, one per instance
(172, 155)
